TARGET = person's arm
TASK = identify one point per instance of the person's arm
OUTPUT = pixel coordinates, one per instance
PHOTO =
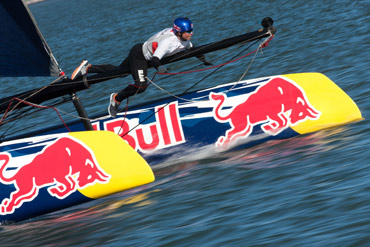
(201, 57)
(156, 62)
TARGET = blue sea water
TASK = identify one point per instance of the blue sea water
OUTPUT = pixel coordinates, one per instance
(311, 190)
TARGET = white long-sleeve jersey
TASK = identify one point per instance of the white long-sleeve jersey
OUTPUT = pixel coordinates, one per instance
(164, 44)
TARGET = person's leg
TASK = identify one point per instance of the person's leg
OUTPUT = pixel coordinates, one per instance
(109, 69)
(139, 69)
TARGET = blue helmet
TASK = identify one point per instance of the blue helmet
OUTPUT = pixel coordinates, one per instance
(182, 24)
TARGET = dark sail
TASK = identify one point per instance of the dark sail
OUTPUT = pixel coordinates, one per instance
(23, 50)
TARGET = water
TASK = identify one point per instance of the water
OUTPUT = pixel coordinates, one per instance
(311, 190)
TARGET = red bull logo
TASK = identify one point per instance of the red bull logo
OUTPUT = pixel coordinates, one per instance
(65, 166)
(277, 104)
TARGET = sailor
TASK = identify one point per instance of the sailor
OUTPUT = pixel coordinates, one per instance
(165, 43)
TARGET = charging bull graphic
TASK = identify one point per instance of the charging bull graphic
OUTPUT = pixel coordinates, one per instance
(65, 166)
(275, 104)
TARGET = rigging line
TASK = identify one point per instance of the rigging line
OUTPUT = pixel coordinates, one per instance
(168, 76)
(16, 131)
(120, 75)
(236, 47)
(36, 92)
(169, 93)
(14, 121)
(67, 113)
(78, 117)
(21, 114)
(124, 118)
(215, 66)
(263, 44)
(21, 111)
(245, 41)
(232, 59)
(59, 110)
(109, 77)
(45, 107)
(62, 111)
(10, 127)
(219, 66)
(126, 109)
(114, 77)
(127, 102)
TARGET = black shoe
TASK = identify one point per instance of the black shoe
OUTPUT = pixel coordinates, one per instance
(113, 106)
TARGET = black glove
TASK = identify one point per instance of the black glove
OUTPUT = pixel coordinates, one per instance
(162, 69)
(207, 63)
(203, 59)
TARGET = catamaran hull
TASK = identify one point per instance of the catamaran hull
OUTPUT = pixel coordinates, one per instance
(234, 115)
(229, 116)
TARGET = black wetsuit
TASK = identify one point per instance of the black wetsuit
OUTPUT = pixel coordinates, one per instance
(136, 64)
(162, 44)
